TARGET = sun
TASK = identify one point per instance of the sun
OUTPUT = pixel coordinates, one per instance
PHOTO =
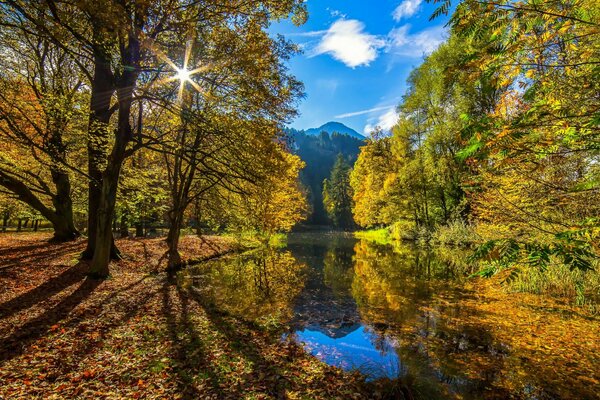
(183, 74)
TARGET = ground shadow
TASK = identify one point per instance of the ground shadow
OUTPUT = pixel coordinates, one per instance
(43, 291)
(35, 253)
(17, 342)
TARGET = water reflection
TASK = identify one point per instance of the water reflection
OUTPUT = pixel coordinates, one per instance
(254, 285)
(388, 311)
(353, 347)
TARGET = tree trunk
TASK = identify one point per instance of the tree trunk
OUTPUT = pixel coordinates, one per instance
(61, 217)
(104, 236)
(64, 227)
(5, 221)
(110, 177)
(173, 256)
(124, 226)
(139, 229)
(102, 92)
(35, 226)
(19, 225)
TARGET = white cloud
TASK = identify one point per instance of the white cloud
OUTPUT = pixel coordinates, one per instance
(407, 8)
(346, 41)
(385, 121)
(402, 42)
(362, 112)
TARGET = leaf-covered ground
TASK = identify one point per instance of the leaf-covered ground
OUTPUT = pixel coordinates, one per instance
(136, 335)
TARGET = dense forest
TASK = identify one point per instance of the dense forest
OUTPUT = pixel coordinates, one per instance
(319, 153)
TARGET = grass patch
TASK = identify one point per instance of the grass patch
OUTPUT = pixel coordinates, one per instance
(380, 236)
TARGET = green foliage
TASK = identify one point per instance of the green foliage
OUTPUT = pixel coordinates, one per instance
(565, 250)
(337, 194)
(497, 140)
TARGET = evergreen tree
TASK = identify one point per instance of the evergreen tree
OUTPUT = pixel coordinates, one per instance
(337, 194)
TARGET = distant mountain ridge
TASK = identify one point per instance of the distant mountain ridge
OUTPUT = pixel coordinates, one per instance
(334, 127)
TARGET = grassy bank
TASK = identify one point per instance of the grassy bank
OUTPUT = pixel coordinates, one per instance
(136, 335)
(575, 286)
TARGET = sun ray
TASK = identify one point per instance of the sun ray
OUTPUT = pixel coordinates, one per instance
(195, 86)
(180, 91)
(182, 73)
(199, 69)
(188, 53)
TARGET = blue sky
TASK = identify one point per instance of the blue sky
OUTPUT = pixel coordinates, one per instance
(356, 58)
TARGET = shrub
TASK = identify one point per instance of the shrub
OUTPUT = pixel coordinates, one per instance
(455, 233)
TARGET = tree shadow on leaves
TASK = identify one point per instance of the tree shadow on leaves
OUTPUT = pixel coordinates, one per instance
(16, 343)
(36, 253)
(44, 291)
(188, 351)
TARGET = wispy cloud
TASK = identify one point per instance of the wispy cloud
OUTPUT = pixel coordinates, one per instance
(307, 34)
(336, 13)
(329, 85)
(385, 121)
(407, 8)
(363, 112)
(402, 42)
(346, 41)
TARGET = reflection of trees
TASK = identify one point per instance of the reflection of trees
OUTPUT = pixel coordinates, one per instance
(253, 285)
(337, 269)
(395, 280)
(410, 296)
(387, 283)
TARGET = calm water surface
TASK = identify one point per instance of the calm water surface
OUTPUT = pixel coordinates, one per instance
(387, 311)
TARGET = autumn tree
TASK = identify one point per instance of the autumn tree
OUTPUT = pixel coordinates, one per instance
(538, 146)
(221, 129)
(40, 103)
(368, 181)
(114, 43)
(413, 176)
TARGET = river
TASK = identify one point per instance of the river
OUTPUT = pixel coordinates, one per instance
(401, 313)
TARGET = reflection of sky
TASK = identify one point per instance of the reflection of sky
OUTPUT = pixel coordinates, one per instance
(353, 351)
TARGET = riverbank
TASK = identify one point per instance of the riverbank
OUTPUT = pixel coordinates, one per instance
(581, 288)
(135, 335)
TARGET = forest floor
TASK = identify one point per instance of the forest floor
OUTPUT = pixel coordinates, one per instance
(136, 334)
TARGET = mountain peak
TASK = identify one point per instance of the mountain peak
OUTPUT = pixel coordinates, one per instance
(334, 127)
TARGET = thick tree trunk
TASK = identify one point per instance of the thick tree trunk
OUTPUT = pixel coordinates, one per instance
(19, 225)
(99, 266)
(100, 112)
(61, 217)
(35, 226)
(104, 236)
(64, 227)
(5, 221)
